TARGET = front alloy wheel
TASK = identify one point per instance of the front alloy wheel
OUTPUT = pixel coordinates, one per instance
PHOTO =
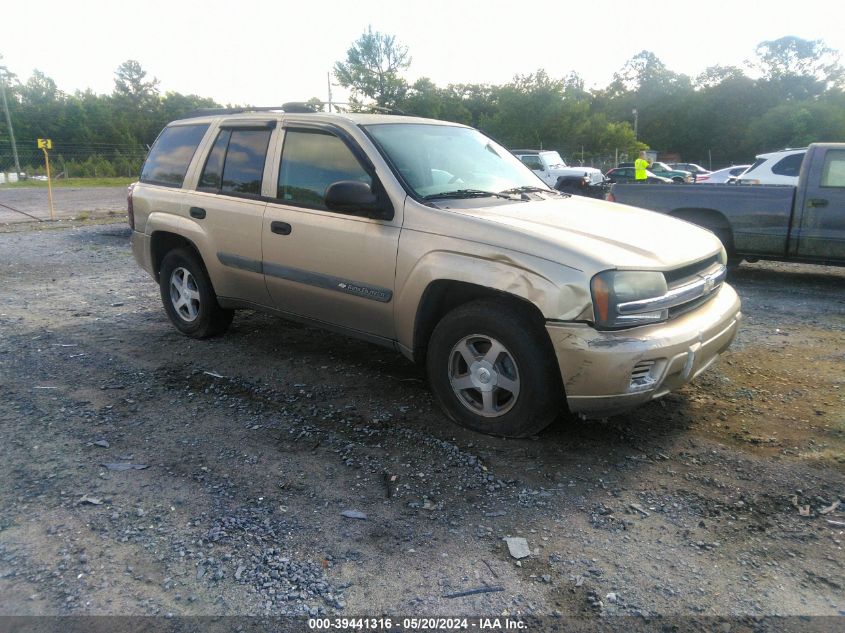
(484, 375)
(492, 368)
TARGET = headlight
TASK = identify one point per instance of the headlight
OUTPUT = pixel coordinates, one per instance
(612, 288)
(723, 257)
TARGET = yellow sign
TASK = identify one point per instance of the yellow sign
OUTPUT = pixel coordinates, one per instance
(45, 143)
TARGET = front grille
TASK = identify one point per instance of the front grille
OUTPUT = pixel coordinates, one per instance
(685, 273)
(693, 273)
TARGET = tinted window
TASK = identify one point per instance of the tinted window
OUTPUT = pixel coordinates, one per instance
(833, 172)
(789, 166)
(533, 162)
(171, 154)
(212, 173)
(244, 164)
(311, 161)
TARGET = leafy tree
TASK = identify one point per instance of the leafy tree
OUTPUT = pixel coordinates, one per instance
(130, 84)
(792, 56)
(372, 67)
(715, 75)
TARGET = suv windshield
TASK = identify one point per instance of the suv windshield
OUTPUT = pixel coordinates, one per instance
(553, 159)
(439, 159)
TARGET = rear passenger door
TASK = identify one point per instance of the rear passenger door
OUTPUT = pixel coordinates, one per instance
(335, 268)
(228, 207)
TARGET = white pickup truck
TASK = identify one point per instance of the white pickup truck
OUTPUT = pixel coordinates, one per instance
(550, 167)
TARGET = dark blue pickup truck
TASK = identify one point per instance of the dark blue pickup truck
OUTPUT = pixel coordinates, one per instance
(805, 223)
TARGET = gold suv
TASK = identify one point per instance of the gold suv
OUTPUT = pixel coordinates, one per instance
(430, 238)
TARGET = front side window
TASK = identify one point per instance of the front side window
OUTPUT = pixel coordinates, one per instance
(311, 161)
(434, 160)
(833, 171)
(789, 166)
(171, 155)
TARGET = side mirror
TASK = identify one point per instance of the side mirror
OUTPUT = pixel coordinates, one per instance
(355, 197)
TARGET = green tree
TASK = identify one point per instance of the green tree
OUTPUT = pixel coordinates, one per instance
(130, 84)
(372, 68)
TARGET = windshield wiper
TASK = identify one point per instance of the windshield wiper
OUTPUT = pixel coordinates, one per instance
(469, 193)
(532, 189)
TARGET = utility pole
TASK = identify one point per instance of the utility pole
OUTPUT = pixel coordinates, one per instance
(636, 118)
(329, 82)
(9, 123)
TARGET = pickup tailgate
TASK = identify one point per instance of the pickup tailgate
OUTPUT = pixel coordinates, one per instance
(758, 216)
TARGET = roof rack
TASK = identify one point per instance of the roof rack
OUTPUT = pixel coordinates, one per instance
(291, 106)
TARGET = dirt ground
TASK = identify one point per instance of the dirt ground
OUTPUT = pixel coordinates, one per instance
(246, 450)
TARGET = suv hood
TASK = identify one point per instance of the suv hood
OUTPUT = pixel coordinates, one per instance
(583, 233)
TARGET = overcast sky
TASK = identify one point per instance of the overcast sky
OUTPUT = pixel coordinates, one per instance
(266, 53)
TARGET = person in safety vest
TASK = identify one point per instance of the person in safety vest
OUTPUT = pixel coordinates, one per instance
(640, 166)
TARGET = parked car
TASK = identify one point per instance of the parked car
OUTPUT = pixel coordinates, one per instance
(802, 223)
(551, 168)
(430, 238)
(663, 170)
(721, 176)
(696, 170)
(775, 168)
(626, 174)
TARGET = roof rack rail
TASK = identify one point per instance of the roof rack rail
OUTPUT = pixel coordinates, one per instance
(219, 111)
(290, 106)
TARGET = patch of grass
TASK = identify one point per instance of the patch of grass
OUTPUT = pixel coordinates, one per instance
(71, 182)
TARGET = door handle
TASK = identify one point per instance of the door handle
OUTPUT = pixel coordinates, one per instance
(197, 212)
(816, 203)
(280, 228)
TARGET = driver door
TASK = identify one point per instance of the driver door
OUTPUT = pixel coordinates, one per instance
(331, 267)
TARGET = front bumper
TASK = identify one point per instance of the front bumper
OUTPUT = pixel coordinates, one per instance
(610, 372)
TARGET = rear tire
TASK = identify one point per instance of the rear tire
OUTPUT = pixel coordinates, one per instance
(188, 296)
(492, 370)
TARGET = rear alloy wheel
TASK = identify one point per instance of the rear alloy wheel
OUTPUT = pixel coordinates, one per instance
(188, 297)
(491, 368)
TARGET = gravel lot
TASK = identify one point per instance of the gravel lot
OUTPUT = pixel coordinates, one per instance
(247, 450)
(67, 202)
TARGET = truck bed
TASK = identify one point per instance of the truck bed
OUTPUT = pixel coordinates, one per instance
(754, 220)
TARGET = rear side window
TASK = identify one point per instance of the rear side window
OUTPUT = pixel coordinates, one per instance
(833, 172)
(235, 163)
(311, 161)
(789, 166)
(532, 162)
(212, 173)
(171, 154)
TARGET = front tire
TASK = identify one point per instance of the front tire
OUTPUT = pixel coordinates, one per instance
(188, 296)
(492, 370)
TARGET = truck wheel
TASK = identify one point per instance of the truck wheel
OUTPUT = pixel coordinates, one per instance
(188, 296)
(492, 370)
